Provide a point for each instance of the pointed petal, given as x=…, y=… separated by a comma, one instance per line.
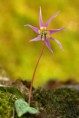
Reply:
x=58, y=42
x=36, y=39
x=32, y=27
x=56, y=30
x=40, y=18
x=46, y=41
x=48, y=22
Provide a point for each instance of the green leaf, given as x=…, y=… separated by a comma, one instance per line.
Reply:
x=12, y=90
x=21, y=107
x=33, y=110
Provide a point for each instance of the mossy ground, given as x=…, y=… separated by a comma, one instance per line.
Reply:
x=6, y=105
x=58, y=103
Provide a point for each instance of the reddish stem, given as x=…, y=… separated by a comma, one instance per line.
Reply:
x=30, y=90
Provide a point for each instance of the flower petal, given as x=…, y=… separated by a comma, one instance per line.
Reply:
x=48, y=22
x=32, y=27
x=56, y=30
x=46, y=41
x=40, y=18
x=60, y=45
x=36, y=39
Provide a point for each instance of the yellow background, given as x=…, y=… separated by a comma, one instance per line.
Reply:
x=18, y=56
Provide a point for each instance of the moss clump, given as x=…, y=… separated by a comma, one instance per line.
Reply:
x=7, y=108
x=6, y=105
x=58, y=103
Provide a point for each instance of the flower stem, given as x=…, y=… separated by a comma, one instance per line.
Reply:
x=30, y=90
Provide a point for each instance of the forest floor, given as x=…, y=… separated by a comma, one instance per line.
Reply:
x=53, y=100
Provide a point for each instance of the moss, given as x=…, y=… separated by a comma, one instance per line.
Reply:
x=58, y=103
x=61, y=103
x=6, y=105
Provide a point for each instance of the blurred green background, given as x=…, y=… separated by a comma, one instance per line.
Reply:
x=18, y=56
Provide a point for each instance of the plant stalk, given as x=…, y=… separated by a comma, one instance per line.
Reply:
x=30, y=90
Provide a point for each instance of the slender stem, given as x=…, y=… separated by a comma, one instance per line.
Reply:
x=30, y=90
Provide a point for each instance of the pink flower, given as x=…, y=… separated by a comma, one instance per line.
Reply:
x=43, y=33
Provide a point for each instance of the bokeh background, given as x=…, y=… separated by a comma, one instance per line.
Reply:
x=18, y=56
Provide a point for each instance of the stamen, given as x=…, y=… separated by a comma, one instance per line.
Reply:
x=43, y=35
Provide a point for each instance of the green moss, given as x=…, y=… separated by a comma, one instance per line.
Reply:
x=61, y=103
x=58, y=103
x=6, y=105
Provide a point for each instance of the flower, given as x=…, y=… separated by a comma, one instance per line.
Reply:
x=43, y=33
